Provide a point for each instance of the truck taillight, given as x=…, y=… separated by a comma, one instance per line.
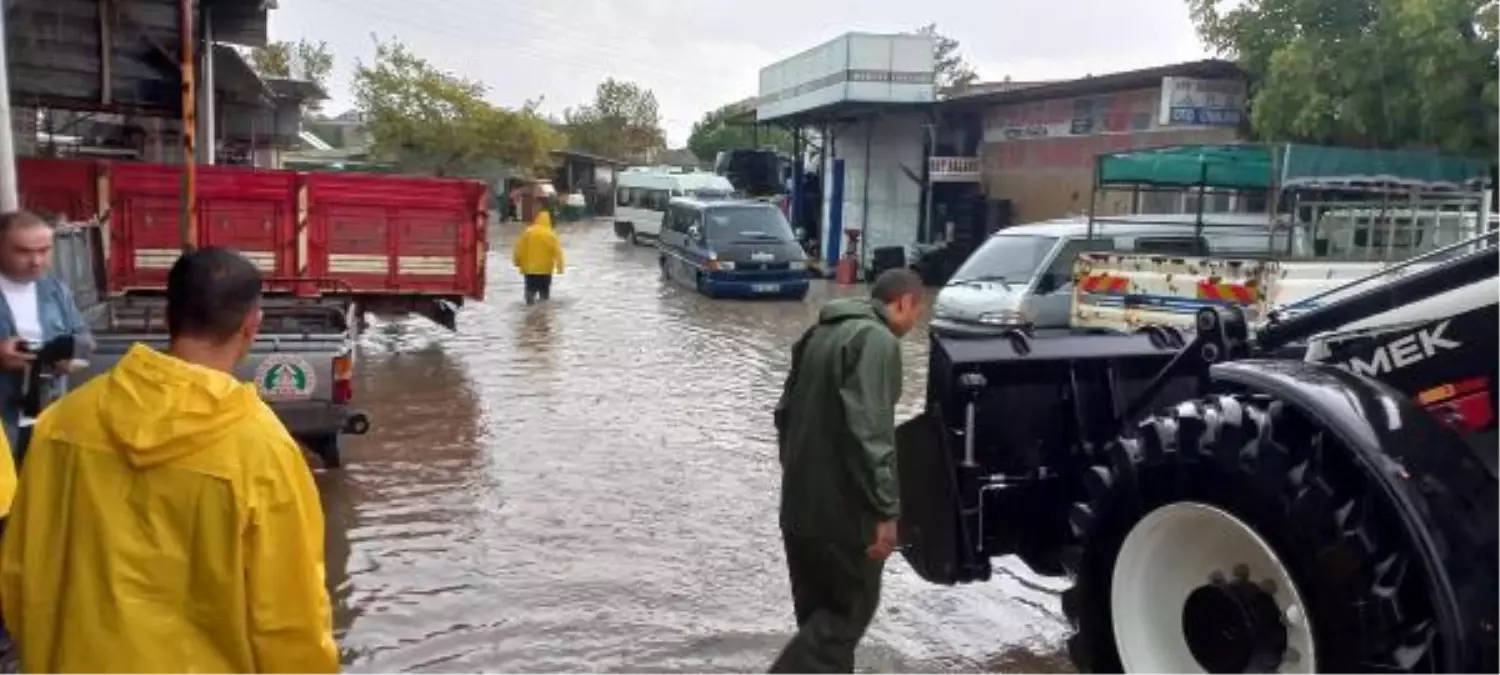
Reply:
x=1466, y=406
x=343, y=378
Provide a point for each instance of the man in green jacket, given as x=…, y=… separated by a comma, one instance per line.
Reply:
x=836, y=427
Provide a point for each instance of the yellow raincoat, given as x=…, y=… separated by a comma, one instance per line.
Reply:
x=7, y=475
x=538, y=250
x=168, y=524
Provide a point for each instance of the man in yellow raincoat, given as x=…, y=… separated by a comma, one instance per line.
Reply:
x=538, y=254
x=169, y=523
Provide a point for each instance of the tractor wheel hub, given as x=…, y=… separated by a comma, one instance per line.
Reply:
x=1234, y=627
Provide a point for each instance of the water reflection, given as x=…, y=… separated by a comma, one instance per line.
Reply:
x=399, y=512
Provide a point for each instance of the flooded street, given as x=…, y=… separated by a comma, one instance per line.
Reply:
x=591, y=485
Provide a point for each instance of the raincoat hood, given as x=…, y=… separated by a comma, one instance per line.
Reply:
x=161, y=408
x=844, y=309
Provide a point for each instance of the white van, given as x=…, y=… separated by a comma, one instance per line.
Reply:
x=1022, y=277
x=642, y=194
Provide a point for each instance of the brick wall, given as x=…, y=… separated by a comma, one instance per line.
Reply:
x=1035, y=156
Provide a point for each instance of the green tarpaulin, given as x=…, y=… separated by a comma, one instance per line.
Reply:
x=1263, y=167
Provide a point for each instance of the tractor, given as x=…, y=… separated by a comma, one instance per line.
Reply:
x=1309, y=491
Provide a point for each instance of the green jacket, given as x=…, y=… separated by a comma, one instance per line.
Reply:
x=836, y=425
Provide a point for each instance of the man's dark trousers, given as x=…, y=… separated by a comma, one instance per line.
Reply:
x=538, y=286
x=835, y=590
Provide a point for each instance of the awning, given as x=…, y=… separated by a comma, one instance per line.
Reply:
x=1263, y=167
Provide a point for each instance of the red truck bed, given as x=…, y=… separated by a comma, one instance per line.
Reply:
x=385, y=237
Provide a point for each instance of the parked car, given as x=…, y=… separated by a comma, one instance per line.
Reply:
x=732, y=248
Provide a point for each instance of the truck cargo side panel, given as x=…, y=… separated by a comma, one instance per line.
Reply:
x=247, y=210
x=407, y=235
x=387, y=237
x=58, y=186
x=351, y=242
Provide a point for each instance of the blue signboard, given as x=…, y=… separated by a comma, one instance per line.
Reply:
x=1206, y=116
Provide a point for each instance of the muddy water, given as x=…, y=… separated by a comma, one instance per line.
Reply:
x=590, y=485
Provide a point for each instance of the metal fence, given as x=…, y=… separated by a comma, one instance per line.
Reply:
x=76, y=262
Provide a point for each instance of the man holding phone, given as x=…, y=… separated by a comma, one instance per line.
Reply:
x=35, y=308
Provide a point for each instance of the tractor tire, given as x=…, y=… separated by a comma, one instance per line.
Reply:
x=1239, y=516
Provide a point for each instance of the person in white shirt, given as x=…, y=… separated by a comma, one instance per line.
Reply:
x=35, y=307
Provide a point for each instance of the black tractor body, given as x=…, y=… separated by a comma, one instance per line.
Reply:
x=1367, y=464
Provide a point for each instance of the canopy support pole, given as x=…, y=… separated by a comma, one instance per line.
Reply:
x=1202, y=202
x=9, y=195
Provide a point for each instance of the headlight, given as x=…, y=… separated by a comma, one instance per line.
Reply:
x=942, y=312
x=726, y=265
x=796, y=265
x=1005, y=317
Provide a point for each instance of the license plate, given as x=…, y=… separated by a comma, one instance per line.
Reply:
x=765, y=288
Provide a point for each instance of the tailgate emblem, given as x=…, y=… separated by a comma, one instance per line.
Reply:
x=282, y=377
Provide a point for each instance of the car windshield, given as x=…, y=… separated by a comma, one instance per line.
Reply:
x=739, y=224
x=1012, y=258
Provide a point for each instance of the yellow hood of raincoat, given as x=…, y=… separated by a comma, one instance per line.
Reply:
x=169, y=524
x=538, y=250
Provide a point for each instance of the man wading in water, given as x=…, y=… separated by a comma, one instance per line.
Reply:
x=836, y=428
x=539, y=253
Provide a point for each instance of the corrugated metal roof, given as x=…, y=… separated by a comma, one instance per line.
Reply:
x=57, y=59
x=1130, y=79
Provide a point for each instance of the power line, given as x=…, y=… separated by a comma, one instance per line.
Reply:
x=561, y=57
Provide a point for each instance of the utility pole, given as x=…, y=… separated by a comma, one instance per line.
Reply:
x=9, y=197
x=189, y=226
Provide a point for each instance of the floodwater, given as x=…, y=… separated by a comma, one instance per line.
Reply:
x=591, y=485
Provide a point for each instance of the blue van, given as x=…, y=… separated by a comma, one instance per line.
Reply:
x=732, y=248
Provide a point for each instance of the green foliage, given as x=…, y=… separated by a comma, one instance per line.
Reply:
x=954, y=74
x=300, y=60
x=712, y=135
x=1368, y=73
x=622, y=122
x=430, y=121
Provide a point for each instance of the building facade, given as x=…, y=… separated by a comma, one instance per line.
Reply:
x=1039, y=142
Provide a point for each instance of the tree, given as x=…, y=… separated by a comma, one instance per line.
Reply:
x=431, y=121
x=301, y=60
x=953, y=73
x=623, y=121
x=713, y=134
x=1368, y=73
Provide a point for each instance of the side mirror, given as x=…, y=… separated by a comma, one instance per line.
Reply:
x=1049, y=283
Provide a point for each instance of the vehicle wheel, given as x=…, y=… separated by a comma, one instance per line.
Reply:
x=1234, y=535
x=329, y=450
x=661, y=263
x=635, y=239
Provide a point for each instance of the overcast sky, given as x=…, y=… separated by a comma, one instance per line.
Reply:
x=700, y=54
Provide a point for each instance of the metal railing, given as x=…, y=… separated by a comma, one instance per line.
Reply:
x=76, y=260
x=953, y=168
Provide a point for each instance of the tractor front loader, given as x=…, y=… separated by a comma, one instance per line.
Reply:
x=1317, y=495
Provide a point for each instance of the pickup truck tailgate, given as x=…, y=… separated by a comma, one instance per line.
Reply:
x=1125, y=292
x=300, y=390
